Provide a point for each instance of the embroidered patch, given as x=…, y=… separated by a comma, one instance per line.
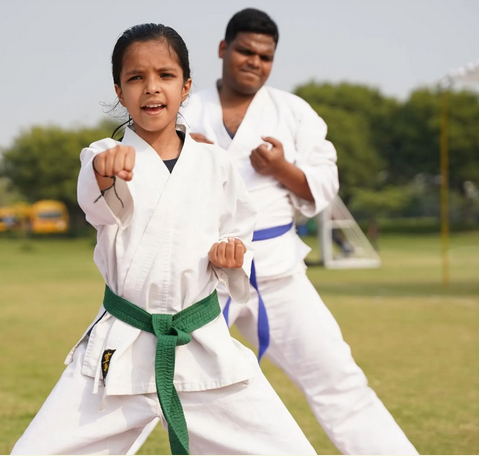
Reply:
x=105, y=362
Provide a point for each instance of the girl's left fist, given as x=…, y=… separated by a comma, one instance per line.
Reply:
x=227, y=254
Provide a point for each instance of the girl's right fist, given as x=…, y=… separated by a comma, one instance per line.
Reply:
x=118, y=161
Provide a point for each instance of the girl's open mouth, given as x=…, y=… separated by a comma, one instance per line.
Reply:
x=153, y=108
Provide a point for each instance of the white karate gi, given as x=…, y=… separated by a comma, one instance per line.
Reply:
x=154, y=235
x=305, y=340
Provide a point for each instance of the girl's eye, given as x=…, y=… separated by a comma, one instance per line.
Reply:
x=134, y=78
x=167, y=75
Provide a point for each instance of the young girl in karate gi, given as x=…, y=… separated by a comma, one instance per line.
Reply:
x=173, y=217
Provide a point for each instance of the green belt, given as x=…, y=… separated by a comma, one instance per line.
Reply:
x=171, y=331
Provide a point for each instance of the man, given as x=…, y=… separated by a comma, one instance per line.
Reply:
x=278, y=144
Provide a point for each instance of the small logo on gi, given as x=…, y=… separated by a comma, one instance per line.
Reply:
x=105, y=362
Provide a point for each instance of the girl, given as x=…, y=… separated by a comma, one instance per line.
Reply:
x=172, y=218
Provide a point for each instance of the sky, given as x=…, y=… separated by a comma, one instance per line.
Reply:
x=55, y=54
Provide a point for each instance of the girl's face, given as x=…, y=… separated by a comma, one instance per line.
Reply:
x=152, y=87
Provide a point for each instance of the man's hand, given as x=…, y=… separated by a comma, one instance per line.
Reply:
x=269, y=161
x=201, y=138
x=227, y=254
x=116, y=162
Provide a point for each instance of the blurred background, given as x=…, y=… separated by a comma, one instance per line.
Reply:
x=377, y=72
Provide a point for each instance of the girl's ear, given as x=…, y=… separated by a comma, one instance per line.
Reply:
x=119, y=94
x=184, y=91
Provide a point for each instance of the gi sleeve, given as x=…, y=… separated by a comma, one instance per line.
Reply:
x=238, y=220
x=316, y=157
x=115, y=206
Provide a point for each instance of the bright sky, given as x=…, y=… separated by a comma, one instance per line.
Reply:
x=55, y=54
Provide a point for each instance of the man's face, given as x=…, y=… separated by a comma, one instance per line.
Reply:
x=247, y=61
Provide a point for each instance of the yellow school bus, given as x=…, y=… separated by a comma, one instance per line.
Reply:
x=7, y=218
x=49, y=216
x=14, y=217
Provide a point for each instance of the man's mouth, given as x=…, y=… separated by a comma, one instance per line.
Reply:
x=246, y=70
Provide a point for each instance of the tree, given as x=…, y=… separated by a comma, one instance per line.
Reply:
x=7, y=194
x=386, y=202
x=382, y=142
x=43, y=162
x=417, y=135
x=376, y=110
x=358, y=162
x=353, y=116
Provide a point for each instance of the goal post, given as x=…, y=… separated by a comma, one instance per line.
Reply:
x=342, y=243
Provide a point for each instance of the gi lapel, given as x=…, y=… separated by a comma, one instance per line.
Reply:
x=260, y=120
x=157, y=220
x=256, y=123
x=150, y=178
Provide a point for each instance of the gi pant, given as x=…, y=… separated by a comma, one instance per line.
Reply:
x=243, y=418
x=306, y=342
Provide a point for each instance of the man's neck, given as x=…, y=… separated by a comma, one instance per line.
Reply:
x=234, y=106
x=231, y=98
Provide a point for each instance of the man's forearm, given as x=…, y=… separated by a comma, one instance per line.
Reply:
x=294, y=180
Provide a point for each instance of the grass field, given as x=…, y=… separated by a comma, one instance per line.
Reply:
x=416, y=340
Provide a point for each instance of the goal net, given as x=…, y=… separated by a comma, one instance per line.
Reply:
x=342, y=243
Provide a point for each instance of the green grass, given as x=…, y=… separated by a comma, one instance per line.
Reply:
x=416, y=340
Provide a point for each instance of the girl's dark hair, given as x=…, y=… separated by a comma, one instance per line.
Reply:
x=253, y=21
x=149, y=32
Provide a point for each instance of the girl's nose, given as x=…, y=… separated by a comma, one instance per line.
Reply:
x=152, y=86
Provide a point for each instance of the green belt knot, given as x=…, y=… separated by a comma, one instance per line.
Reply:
x=163, y=326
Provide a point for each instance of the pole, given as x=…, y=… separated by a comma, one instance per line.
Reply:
x=444, y=188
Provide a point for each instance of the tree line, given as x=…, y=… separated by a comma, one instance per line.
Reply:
x=43, y=163
x=388, y=152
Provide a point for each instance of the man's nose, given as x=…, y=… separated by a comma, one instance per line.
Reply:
x=254, y=61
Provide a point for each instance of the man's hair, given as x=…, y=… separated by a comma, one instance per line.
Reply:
x=253, y=21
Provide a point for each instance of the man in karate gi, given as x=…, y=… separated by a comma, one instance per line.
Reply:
x=277, y=142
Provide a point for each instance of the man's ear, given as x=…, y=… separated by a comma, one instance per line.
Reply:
x=186, y=90
x=119, y=94
x=222, y=48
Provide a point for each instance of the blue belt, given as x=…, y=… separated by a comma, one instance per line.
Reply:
x=263, y=325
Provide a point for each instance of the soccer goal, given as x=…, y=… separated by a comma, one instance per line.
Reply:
x=342, y=243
